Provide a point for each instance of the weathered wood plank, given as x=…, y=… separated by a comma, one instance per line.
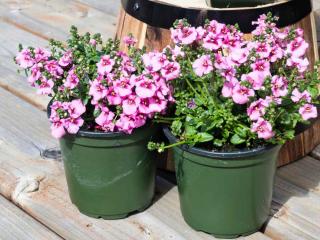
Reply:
x=24, y=125
x=111, y=7
x=304, y=173
x=17, y=225
x=316, y=153
x=58, y=14
x=296, y=207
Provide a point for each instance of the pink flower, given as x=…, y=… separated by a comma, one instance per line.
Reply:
x=157, y=105
x=140, y=120
x=97, y=90
x=187, y=35
x=263, y=49
x=255, y=78
x=105, y=120
x=228, y=88
x=41, y=54
x=76, y=108
x=35, y=74
x=130, y=105
x=113, y=97
x=297, y=47
x=263, y=128
x=53, y=68
x=145, y=89
x=122, y=87
x=144, y=106
x=276, y=54
x=72, y=80
x=297, y=96
x=105, y=65
x=202, y=65
x=261, y=66
x=93, y=42
x=239, y=55
x=176, y=52
x=57, y=129
x=229, y=73
x=66, y=59
x=308, y=111
x=125, y=124
x=171, y=71
x=45, y=87
x=154, y=61
x=73, y=125
x=212, y=42
x=257, y=109
x=300, y=64
x=279, y=86
x=24, y=59
x=241, y=94
x=129, y=40
x=215, y=27
x=220, y=62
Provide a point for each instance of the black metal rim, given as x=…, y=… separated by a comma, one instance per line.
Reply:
x=246, y=152
x=161, y=15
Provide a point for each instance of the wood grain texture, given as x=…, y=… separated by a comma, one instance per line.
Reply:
x=58, y=14
x=17, y=225
x=24, y=125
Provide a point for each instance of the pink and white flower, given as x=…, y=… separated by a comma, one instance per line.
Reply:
x=297, y=96
x=263, y=128
x=203, y=65
x=241, y=94
x=257, y=109
x=24, y=59
x=297, y=47
x=279, y=86
x=171, y=71
x=308, y=111
x=105, y=65
x=72, y=80
x=66, y=59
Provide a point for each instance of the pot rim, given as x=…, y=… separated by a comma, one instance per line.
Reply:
x=246, y=152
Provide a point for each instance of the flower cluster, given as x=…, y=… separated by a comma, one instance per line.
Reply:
x=95, y=86
x=236, y=92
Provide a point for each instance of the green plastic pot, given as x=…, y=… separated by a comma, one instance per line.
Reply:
x=225, y=194
x=237, y=3
x=109, y=175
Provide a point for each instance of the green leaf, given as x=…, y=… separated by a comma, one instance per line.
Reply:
x=204, y=137
x=236, y=139
x=218, y=142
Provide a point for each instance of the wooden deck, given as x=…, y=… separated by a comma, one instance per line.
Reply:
x=34, y=202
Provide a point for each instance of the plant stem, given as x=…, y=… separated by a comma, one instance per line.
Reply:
x=174, y=144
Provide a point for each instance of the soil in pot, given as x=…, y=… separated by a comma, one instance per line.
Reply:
x=109, y=175
x=225, y=194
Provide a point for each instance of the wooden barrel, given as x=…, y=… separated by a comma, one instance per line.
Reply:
x=149, y=21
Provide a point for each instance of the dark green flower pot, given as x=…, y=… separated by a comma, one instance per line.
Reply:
x=109, y=175
x=225, y=194
x=237, y=3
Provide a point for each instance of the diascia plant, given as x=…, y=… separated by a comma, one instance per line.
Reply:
x=235, y=93
x=94, y=86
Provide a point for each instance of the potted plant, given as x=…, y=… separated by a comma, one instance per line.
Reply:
x=237, y=3
x=236, y=103
x=101, y=109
